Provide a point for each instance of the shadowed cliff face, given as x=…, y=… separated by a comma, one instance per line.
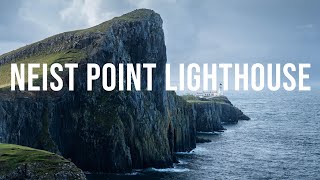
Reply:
x=102, y=131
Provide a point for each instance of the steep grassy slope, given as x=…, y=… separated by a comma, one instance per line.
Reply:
x=67, y=40
x=70, y=56
x=64, y=47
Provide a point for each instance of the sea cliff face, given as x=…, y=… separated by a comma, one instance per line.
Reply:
x=211, y=114
x=182, y=124
x=102, y=131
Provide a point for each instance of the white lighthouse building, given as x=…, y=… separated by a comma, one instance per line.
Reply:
x=210, y=94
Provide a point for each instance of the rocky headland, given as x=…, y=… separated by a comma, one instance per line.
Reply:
x=102, y=131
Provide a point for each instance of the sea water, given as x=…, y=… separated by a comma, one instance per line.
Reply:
x=281, y=141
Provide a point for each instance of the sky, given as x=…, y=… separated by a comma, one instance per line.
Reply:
x=204, y=31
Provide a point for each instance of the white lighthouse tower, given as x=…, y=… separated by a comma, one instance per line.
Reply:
x=220, y=91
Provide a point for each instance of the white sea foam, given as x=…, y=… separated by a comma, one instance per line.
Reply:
x=200, y=150
x=208, y=133
x=173, y=170
x=183, y=153
x=182, y=162
x=197, y=150
x=132, y=174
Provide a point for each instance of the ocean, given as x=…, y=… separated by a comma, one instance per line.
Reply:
x=281, y=141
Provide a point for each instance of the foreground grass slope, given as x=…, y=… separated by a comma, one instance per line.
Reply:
x=19, y=162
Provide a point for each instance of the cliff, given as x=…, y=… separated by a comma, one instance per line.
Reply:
x=18, y=162
x=211, y=114
x=182, y=123
x=100, y=131
x=104, y=131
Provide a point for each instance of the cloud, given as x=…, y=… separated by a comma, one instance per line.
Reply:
x=206, y=31
x=305, y=26
x=85, y=13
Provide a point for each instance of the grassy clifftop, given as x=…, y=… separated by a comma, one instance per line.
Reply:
x=136, y=15
x=22, y=162
x=217, y=99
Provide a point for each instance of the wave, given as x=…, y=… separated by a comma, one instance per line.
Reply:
x=132, y=173
x=209, y=133
x=181, y=162
x=173, y=170
x=197, y=150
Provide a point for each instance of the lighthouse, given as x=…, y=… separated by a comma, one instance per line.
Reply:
x=220, y=91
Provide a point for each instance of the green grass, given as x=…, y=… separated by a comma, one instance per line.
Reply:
x=199, y=101
x=13, y=156
x=190, y=97
x=211, y=101
x=70, y=56
x=129, y=17
x=217, y=99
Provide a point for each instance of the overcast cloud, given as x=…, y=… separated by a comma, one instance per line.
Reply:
x=196, y=31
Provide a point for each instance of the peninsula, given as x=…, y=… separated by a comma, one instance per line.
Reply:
x=106, y=131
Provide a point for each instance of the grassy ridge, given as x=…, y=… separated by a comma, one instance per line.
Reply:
x=69, y=55
x=14, y=156
x=129, y=17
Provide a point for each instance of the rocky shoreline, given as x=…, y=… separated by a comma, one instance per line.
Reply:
x=114, y=131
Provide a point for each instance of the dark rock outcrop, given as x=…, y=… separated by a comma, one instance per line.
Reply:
x=208, y=116
x=202, y=140
x=211, y=114
x=102, y=131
